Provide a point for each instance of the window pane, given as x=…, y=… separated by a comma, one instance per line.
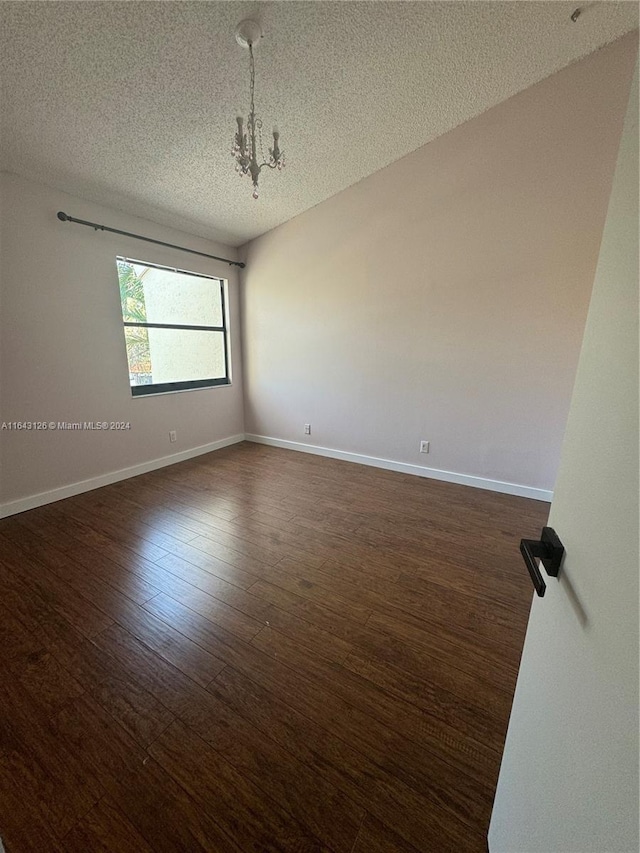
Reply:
x=179, y=299
x=174, y=355
x=160, y=358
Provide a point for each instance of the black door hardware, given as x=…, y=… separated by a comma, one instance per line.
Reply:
x=549, y=550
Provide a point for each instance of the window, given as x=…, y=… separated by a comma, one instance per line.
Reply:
x=175, y=328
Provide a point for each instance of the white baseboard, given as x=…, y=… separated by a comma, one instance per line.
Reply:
x=42, y=498
x=406, y=468
x=59, y=494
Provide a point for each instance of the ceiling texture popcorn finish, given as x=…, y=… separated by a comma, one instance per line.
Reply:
x=129, y=103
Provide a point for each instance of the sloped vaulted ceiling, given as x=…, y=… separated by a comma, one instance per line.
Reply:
x=133, y=104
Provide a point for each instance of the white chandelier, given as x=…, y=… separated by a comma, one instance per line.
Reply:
x=247, y=144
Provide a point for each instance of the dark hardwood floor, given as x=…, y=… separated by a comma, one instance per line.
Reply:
x=259, y=650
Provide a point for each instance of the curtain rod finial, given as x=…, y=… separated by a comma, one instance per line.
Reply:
x=62, y=216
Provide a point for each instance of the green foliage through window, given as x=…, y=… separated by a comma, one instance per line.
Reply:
x=134, y=311
x=131, y=294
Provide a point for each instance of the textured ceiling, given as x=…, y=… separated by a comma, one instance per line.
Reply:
x=133, y=104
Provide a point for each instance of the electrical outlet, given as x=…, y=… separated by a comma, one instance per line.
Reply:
x=173, y=436
x=307, y=429
x=424, y=447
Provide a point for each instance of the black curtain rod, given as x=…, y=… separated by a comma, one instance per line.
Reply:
x=64, y=217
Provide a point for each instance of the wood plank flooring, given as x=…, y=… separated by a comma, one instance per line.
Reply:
x=259, y=650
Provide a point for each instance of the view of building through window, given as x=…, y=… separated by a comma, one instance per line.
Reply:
x=174, y=327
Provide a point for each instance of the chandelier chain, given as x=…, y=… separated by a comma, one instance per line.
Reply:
x=252, y=82
x=256, y=122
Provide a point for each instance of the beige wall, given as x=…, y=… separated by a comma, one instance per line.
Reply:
x=444, y=297
x=62, y=346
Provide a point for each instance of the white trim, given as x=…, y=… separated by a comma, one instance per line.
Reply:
x=406, y=468
x=59, y=494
